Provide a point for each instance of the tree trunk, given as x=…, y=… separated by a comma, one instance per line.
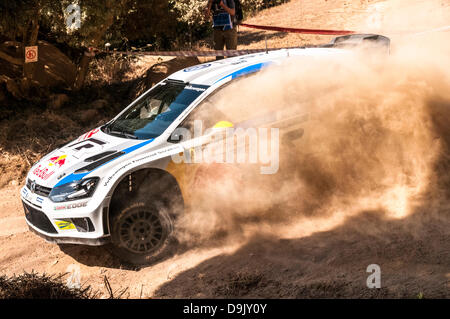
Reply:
x=82, y=71
x=30, y=37
x=87, y=56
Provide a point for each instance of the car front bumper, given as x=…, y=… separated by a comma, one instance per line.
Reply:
x=70, y=240
x=79, y=225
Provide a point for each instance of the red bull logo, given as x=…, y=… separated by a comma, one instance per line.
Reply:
x=53, y=162
x=42, y=172
x=57, y=161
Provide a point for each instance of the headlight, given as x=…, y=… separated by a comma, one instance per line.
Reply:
x=76, y=190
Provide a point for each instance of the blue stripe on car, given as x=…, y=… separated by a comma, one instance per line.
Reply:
x=75, y=177
x=244, y=71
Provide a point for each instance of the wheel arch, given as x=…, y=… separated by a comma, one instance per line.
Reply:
x=135, y=184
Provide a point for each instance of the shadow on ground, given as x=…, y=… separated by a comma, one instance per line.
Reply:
x=102, y=256
x=413, y=254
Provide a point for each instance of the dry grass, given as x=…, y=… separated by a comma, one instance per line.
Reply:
x=35, y=286
x=44, y=286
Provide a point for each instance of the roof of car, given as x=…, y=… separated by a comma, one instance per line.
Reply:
x=211, y=73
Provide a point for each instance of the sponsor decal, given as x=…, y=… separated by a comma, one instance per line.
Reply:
x=88, y=134
x=42, y=172
x=26, y=194
x=39, y=200
x=70, y=206
x=196, y=88
x=64, y=224
x=114, y=174
x=153, y=156
x=197, y=67
x=86, y=144
x=239, y=62
x=57, y=161
x=45, y=172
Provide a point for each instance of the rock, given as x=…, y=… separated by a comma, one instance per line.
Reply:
x=99, y=104
x=14, y=89
x=53, y=67
x=57, y=100
x=88, y=115
x=159, y=71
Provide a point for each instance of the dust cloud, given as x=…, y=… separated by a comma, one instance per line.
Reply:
x=370, y=142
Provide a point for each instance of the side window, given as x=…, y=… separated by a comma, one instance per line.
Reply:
x=205, y=114
x=214, y=109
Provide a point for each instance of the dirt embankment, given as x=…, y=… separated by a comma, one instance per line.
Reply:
x=379, y=196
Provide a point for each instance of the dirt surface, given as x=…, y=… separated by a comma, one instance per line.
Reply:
x=328, y=264
x=330, y=14
x=317, y=257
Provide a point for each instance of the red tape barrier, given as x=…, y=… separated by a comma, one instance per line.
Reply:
x=195, y=53
x=295, y=30
x=237, y=52
x=93, y=51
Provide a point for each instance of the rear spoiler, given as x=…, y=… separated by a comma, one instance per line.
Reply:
x=355, y=40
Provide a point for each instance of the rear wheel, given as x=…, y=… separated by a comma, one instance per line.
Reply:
x=141, y=233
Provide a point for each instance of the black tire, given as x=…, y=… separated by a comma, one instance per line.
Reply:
x=141, y=233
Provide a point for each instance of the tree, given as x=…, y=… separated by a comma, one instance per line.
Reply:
x=161, y=23
x=98, y=17
x=24, y=26
x=20, y=20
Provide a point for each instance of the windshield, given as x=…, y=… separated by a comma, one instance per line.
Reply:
x=151, y=116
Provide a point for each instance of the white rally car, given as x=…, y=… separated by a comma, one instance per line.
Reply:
x=118, y=183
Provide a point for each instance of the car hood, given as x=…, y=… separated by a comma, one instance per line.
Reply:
x=80, y=157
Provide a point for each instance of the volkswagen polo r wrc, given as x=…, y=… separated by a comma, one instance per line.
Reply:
x=90, y=191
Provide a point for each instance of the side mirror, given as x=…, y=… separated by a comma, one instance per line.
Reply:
x=175, y=138
x=290, y=136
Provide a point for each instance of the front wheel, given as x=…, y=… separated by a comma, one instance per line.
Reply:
x=140, y=233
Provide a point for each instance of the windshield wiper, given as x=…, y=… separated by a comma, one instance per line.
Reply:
x=123, y=133
x=107, y=127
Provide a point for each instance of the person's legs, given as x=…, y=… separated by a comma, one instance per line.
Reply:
x=219, y=41
x=231, y=39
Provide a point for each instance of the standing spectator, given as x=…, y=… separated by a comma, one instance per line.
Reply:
x=223, y=12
